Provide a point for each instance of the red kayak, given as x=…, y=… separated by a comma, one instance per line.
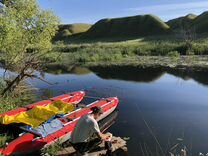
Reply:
x=73, y=97
x=30, y=142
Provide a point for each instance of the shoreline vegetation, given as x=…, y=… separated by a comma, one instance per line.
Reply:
x=154, y=52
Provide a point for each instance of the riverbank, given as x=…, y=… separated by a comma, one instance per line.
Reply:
x=197, y=63
x=164, y=51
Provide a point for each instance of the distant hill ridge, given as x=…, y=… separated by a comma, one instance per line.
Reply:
x=134, y=26
x=68, y=30
x=184, y=21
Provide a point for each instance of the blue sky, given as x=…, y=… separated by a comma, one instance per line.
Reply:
x=90, y=11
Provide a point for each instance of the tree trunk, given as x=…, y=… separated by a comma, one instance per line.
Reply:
x=12, y=85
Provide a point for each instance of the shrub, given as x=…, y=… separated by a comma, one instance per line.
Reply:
x=200, y=49
x=173, y=54
x=184, y=48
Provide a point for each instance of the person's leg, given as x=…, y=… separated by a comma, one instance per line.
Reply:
x=109, y=148
x=80, y=147
x=88, y=146
x=93, y=144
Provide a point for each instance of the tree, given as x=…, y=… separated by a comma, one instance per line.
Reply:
x=26, y=32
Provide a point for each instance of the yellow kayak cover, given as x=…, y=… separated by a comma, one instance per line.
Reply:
x=39, y=114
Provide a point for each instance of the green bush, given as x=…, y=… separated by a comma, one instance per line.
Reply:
x=184, y=48
x=162, y=49
x=200, y=49
x=173, y=54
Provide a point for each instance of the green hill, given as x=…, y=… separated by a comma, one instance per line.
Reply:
x=135, y=26
x=67, y=30
x=132, y=27
x=200, y=24
x=178, y=23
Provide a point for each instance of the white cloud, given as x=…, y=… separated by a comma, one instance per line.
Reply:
x=167, y=11
x=171, y=7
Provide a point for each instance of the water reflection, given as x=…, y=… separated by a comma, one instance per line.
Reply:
x=107, y=122
x=201, y=76
x=128, y=73
x=63, y=69
x=133, y=73
x=148, y=74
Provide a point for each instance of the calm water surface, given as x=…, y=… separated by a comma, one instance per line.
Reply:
x=174, y=104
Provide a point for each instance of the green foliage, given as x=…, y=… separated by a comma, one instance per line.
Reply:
x=162, y=48
x=16, y=99
x=25, y=29
x=52, y=149
x=13, y=101
x=119, y=51
x=4, y=138
x=26, y=32
x=174, y=54
x=200, y=49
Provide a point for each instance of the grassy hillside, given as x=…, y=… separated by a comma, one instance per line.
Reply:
x=132, y=27
x=68, y=30
x=181, y=22
x=200, y=24
x=135, y=26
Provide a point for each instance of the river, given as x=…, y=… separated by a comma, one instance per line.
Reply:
x=174, y=104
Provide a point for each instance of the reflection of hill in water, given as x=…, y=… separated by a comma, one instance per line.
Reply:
x=133, y=73
x=128, y=73
x=148, y=74
x=201, y=76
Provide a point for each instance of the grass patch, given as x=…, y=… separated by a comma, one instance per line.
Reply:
x=16, y=99
x=4, y=138
x=52, y=149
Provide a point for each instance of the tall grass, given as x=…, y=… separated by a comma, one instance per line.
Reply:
x=121, y=51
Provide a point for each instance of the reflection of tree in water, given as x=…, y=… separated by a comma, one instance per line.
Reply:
x=128, y=73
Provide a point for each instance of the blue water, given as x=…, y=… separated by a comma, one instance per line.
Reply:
x=172, y=106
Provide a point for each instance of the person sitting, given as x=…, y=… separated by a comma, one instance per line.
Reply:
x=83, y=137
